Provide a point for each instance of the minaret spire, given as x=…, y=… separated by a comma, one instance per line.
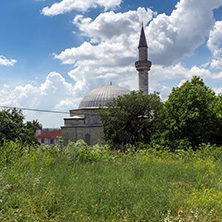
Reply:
x=143, y=64
x=142, y=42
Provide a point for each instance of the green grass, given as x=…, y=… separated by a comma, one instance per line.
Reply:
x=80, y=183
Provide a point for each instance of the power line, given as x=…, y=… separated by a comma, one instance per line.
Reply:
x=34, y=110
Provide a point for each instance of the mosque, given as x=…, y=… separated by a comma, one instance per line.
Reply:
x=84, y=122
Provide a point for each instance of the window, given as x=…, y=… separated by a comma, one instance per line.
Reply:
x=42, y=140
x=51, y=141
x=87, y=139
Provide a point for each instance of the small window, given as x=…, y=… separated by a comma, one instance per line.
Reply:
x=87, y=139
x=51, y=141
x=42, y=140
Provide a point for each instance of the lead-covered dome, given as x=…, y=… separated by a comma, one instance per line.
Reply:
x=102, y=96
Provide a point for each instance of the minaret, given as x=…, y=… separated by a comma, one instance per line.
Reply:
x=143, y=64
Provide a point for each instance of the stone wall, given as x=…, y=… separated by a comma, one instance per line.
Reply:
x=90, y=134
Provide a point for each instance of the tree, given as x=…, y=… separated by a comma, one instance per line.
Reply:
x=12, y=127
x=191, y=114
x=131, y=118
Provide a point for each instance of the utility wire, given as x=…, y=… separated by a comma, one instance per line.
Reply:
x=35, y=110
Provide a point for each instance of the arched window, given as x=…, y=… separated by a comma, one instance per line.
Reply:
x=87, y=139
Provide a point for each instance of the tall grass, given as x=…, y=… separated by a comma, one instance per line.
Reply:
x=82, y=183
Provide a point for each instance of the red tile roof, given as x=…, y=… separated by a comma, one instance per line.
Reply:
x=50, y=134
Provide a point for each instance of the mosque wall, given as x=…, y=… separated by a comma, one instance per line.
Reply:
x=90, y=134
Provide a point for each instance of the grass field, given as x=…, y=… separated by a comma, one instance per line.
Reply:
x=82, y=183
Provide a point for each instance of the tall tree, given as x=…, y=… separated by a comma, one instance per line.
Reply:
x=131, y=118
x=191, y=114
x=12, y=126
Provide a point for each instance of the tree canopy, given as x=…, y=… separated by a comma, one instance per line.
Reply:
x=12, y=127
x=131, y=118
x=192, y=114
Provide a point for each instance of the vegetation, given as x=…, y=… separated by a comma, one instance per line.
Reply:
x=82, y=183
x=12, y=127
x=191, y=113
x=132, y=118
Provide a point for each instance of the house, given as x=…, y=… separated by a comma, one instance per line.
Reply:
x=48, y=137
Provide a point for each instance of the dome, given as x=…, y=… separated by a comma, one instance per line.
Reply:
x=102, y=96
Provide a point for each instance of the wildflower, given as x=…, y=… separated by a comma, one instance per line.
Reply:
x=1, y=200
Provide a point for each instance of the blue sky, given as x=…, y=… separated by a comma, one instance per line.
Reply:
x=52, y=53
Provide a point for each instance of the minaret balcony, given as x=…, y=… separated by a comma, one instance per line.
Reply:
x=143, y=65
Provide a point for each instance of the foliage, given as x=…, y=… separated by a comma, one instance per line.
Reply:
x=131, y=118
x=12, y=127
x=192, y=115
x=80, y=151
x=82, y=183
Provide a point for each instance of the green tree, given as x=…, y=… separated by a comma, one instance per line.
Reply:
x=131, y=118
x=191, y=114
x=12, y=127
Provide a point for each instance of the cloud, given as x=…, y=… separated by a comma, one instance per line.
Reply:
x=115, y=35
x=110, y=55
x=175, y=36
x=218, y=90
x=145, y=15
x=6, y=62
x=215, y=39
x=110, y=26
x=79, y=5
x=104, y=54
x=214, y=44
x=55, y=93
x=111, y=51
x=46, y=96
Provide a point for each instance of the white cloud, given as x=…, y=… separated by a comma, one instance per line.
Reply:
x=6, y=62
x=145, y=15
x=182, y=82
x=177, y=35
x=110, y=26
x=218, y=90
x=113, y=57
x=113, y=39
x=105, y=54
x=216, y=64
x=215, y=45
x=215, y=39
x=79, y=5
x=170, y=38
x=53, y=94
